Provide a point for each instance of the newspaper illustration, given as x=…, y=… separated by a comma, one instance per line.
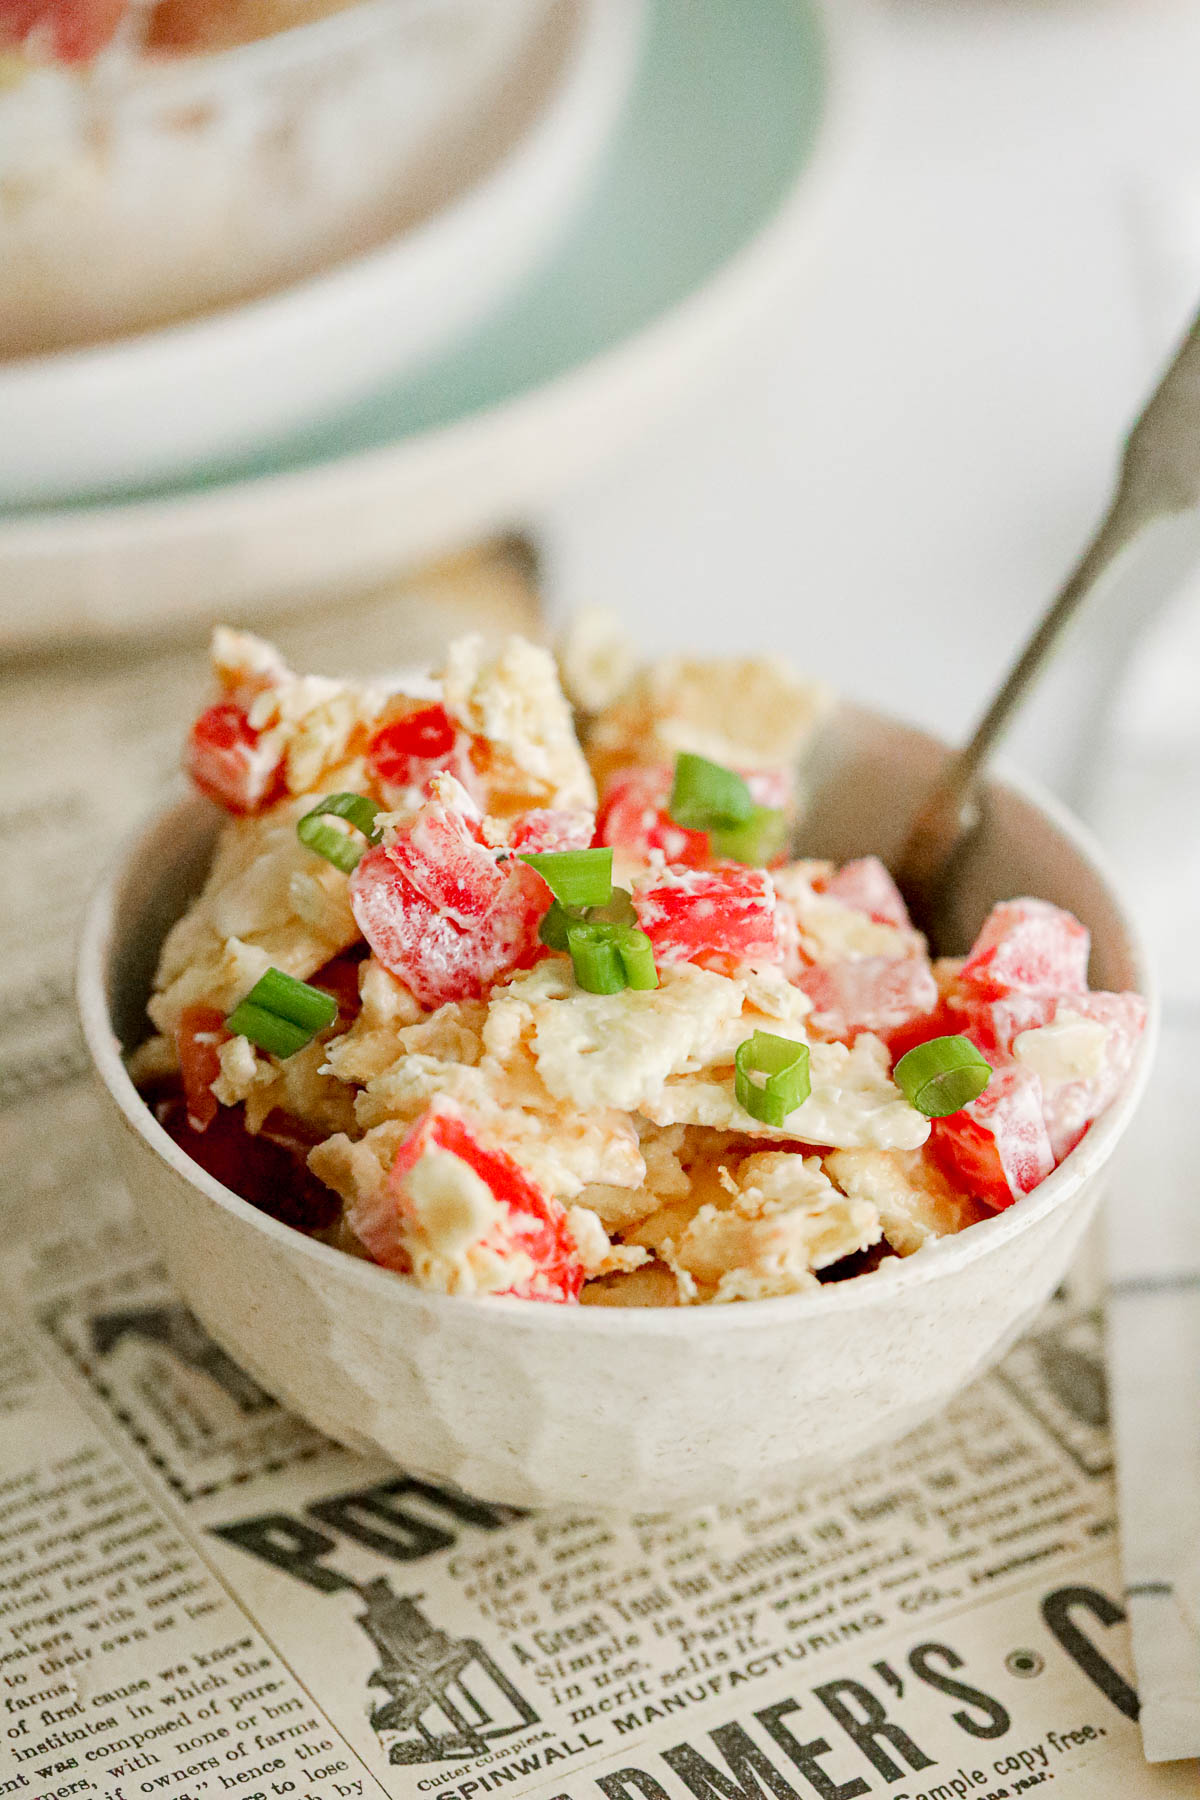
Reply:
x=423, y=1671
x=201, y=1596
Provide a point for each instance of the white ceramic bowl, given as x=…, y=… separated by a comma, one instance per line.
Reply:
x=473, y=216
x=539, y=1405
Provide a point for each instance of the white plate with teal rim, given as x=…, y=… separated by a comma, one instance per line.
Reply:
x=482, y=208
x=711, y=195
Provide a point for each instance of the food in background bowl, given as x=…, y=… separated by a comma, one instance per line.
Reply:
x=517, y=1013
x=41, y=32
x=160, y=159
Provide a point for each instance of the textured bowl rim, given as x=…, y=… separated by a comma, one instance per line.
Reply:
x=932, y=1262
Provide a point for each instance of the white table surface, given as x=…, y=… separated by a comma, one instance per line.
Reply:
x=889, y=485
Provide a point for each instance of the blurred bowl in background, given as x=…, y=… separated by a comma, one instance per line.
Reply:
x=695, y=234
x=305, y=157
x=144, y=187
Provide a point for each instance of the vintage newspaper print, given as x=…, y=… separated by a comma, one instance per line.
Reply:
x=203, y=1597
x=125, y=1667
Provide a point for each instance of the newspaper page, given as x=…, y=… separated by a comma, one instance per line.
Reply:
x=201, y=1597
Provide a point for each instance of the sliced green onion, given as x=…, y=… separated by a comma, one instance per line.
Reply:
x=705, y=796
x=281, y=1014
x=608, y=958
x=637, y=956
x=339, y=847
x=941, y=1076
x=553, y=929
x=619, y=910
x=787, y=1084
x=266, y=1029
x=759, y=840
x=595, y=957
x=575, y=877
x=290, y=998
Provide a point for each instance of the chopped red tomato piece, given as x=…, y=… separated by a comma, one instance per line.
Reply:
x=941, y=1022
x=882, y=994
x=997, y=1147
x=1027, y=946
x=1123, y=1017
x=441, y=912
x=532, y=1227
x=716, y=916
x=634, y=816
x=68, y=31
x=419, y=944
x=1070, y=1106
x=771, y=787
x=198, y=1037
x=547, y=828
x=866, y=886
x=444, y=856
x=405, y=753
x=994, y=1024
x=433, y=957
x=225, y=761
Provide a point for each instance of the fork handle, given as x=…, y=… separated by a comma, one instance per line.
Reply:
x=1160, y=474
x=950, y=810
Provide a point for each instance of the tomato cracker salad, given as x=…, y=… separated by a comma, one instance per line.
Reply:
x=517, y=994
